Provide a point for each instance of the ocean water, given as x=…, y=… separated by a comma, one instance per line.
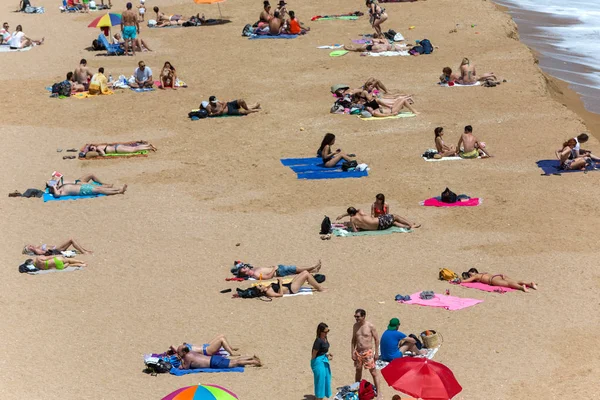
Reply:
x=566, y=34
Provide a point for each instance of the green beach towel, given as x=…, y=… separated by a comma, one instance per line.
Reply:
x=125, y=154
x=345, y=17
x=394, y=229
x=401, y=115
x=338, y=53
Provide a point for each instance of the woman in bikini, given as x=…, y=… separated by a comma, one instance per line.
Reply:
x=443, y=150
x=329, y=156
x=265, y=15
x=496, y=280
x=168, y=76
x=56, y=262
x=377, y=16
x=380, y=207
x=48, y=249
x=568, y=157
x=381, y=108
x=279, y=289
x=103, y=150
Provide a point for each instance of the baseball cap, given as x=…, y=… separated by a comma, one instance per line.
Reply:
x=204, y=104
x=394, y=324
x=212, y=99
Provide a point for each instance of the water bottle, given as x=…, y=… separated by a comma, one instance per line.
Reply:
x=110, y=78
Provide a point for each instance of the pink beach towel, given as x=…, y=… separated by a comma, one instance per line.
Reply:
x=451, y=303
x=487, y=288
x=435, y=202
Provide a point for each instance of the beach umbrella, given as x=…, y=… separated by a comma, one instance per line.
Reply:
x=422, y=378
x=211, y=2
x=201, y=392
x=107, y=20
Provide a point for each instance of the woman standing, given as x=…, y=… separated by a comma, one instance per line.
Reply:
x=319, y=363
x=377, y=16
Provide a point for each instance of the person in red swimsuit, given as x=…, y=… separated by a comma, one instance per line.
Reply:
x=380, y=207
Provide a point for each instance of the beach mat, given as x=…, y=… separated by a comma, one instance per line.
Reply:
x=7, y=49
x=345, y=233
x=49, y=197
x=336, y=174
x=211, y=22
x=454, y=158
x=436, y=202
x=50, y=271
x=256, y=37
x=401, y=115
x=550, y=167
x=141, y=90
x=304, y=291
x=487, y=288
x=459, y=85
x=218, y=116
x=332, y=47
x=451, y=303
x=181, y=372
x=316, y=168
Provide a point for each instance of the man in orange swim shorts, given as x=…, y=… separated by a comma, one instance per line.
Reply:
x=365, y=347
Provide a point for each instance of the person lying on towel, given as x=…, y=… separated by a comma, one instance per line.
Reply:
x=117, y=148
x=83, y=189
x=54, y=262
x=214, y=347
x=471, y=146
x=377, y=46
x=361, y=221
x=279, y=288
x=242, y=270
x=216, y=108
x=496, y=280
x=49, y=249
x=193, y=360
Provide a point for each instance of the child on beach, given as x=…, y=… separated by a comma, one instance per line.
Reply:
x=142, y=9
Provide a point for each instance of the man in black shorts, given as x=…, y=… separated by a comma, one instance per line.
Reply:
x=235, y=107
x=361, y=221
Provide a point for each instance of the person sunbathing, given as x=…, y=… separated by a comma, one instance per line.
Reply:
x=376, y=46
x=139, y=44
x=279, y=288
x=496, y=280
x=276, y=24
x=242, y=270
x=379, y=207
x=55, y=262
x=329, y=156
x=193, y=360
x=443, y=149
x=49, y=249
x=234, y=107
x=468, y=74
x=578, y=151
x=163, y=20
x=470, y=145
x=448, y=76
x=168, y=76
x=84, y=179
x=117, y=148
x=361, y=221
x=208, y=349
x=83, y=189
x=570, y=159
x=382, y=108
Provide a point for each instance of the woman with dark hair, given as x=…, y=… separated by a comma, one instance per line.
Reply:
x=117, y=148
x=265, y=15
x=319, y=363
x=496, y=280
x=380, y=207
x=330, y=157
x=168, y=76
x=279, y=288
x=443, y=150
x=377, y=16
x=569, y=157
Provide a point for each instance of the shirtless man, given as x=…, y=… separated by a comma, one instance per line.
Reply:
x=83, y=189
x=194, y=360
x=83, y=74
x=468, y=74
x=234, y=107
x=281, y=8
x=360, y=221
x=378, y=46
x=275, y=24
x=55, y=262
x=130, y=27
x=471, y=147
x=241, y=270
x=365, y=348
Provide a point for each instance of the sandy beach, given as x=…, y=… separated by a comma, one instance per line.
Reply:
x=216, y=192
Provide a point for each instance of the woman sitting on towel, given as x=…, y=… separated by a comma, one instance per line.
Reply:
x=329, y=156
x=380, y=207
x=443, y=150
x=569, y=157
x=117, y=148
x=279, y=289
x=496, y=280
x=48, y=249
x=168, y=76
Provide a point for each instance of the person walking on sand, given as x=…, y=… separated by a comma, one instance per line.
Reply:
x=365, y=349
x=377, y=16
x=130, y=27
x=471, y=146
x=319, y=363
x=496, y=280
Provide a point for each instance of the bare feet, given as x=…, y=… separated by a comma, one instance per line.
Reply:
x=533, y=286
x=318, y=267
x=524, y=288
x=259, y=363
x=122, y=191
x=153, y=148
x=323, y=289
x=414, y=226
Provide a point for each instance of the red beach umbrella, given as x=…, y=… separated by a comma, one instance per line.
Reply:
x=422, y=378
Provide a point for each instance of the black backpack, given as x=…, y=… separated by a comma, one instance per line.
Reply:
x=202, y=113
x=62, y=88
x=320, y=278
x=448, y=196
x=325, y=226
x=158, y=367
x=247, y=31
x=429, y=154
x=346, y=165
x=250, y=293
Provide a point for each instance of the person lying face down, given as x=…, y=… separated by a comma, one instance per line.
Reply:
x=242, y=270
x=361, y=221
x=49, y=249
x=377, y=46
x=496, y=280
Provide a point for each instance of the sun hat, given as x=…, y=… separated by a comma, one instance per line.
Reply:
x=394, y=324
x=338, y=86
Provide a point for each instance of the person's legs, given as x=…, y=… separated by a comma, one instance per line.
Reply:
x=303, y=278
x=71, y=262
x=109, y=191
x=509, y=283
x=243, y=361
x=143, y=43
x=400, y=104
x=218, y=342
x=377, y=380
x=404, y=223
x=313, y=269
x=93, y=178
x=339, y=156
x=64, y=246
x=358, y=374
x=410, y=345
x=578, y=163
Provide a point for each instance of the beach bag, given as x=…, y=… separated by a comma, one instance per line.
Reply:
x=158, y=366
x=347, y=165
x=448, y=196
x=431, y=339
x=427, y=46
x=250, y=293
x=325, y=226
x=390, y=35
x=202, y=113
x=320, y=278
x=247, y=31
x=447, y=274
x=62, y=88
x=429, y=154
x=366, y=390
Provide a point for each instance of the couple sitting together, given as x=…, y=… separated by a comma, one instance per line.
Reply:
x=468, y=145
x=468, y=75
x=216, y=108
x=573, y=157
x=274, y=22
x=87, y=185
x=372, y=99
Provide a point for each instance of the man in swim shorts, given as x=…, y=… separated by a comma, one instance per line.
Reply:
x=193, y=360
x=234, y=107
x=130, y=27
x=360, y=221
x=84, y=189
x=55, y=262
x=364, y=348
x=471, y=147
x=245, y=270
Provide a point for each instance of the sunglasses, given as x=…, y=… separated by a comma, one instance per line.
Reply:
x=357, y=316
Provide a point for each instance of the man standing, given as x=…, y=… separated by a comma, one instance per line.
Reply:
x=394, y=343
x=83, y=73
x=364, y=336
x=143, y=76
x=130, y=27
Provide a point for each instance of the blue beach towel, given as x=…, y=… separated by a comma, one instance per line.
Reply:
x=255, y=37
x=315, y=168
x=336, y=174
x=50, y=197
x=550, y=167
x=181, y=372
x=301, y=161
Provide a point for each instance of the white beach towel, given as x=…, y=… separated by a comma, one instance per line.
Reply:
x=304, y=291
x=49, y=271
x=386, y=54
x=5, y=49
x=335, y=46
x=455, y=158
x=460, y=85
x=380, y=364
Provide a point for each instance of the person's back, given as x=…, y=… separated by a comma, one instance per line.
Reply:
x=275, y=25
x=467, y=72
x=363, y=221
x=294, y=28
x=194, y=360
x=468, y=142
x=389, y=344
x=82, y=73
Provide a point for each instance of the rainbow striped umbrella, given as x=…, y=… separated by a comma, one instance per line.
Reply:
x=106, y=20
x=202, y=392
